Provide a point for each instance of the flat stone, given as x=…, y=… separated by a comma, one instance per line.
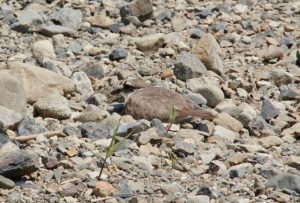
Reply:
x=53, y=106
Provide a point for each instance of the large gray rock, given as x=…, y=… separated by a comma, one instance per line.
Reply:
x=39, y=82
x=8, y=118
x=53, y=106
x=188, y=66
x=12, y=93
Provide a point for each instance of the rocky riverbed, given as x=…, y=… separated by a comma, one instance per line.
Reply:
x=222, y=123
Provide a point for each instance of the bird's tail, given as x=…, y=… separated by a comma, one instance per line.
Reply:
x=202, y=113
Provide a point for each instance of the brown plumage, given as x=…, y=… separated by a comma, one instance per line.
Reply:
x=157, y=102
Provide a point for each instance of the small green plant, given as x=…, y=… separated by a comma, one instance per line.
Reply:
x=172, y=118
x=171, y=155
x=113, y=146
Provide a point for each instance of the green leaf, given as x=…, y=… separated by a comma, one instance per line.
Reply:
x=115, y=146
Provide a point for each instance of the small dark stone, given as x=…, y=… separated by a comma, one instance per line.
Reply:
x=94, y=130
x=118, y=54
x=268, y=110
x=202, y=127
x=116, y=107
x=29, y=127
